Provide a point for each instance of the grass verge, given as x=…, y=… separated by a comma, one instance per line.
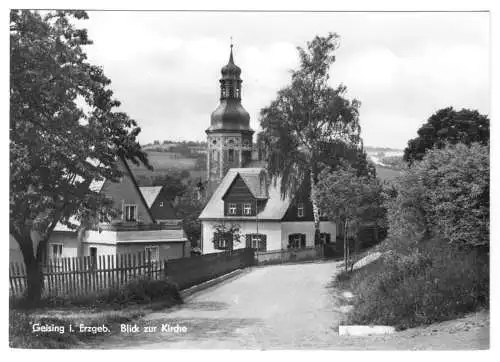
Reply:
x=418, y=286
x=62, y=317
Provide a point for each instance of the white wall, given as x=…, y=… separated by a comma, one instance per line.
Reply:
x=103, y=237
x=69, y=242
x=305, y=227
x=102, y=249
x=270, y=228
x=14, y=251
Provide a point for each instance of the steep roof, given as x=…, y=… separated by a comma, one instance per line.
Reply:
x=274, y=209
x=256, y=183
x=150, y=193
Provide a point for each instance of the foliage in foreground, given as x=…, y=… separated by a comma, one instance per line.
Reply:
x=139, y=291
x=445, y=195
x=432, y=284
x=65, y=132
x=437, y=261
x=106, y=308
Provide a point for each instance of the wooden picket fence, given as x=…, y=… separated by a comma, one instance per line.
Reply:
x=85, y=275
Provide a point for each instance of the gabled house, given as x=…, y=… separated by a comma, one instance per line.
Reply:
x=248, y=200
x=134, y=230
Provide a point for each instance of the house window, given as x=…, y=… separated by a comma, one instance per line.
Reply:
x=222, y=241
x=161, y=204
x=130, y=212
x=325, y=238
x=152, y=252
x=256, y=241
x=231, y=155
x=232, y=209
x=56, y=250
x=296, y=241
x=300, y=210
x=247, y=209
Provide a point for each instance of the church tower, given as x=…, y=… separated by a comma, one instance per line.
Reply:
x=229, y=136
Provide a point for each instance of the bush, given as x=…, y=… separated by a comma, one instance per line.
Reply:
x=138, y=291
x=445, y=195
x=142, y=291
x=432, y=283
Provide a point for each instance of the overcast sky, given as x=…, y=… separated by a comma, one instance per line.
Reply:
x=165, y=66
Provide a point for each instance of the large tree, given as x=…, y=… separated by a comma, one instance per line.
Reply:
x=65, y=132
x=307, y=117
x=448, y=126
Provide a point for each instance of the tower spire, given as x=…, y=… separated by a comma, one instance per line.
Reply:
x=231, y=61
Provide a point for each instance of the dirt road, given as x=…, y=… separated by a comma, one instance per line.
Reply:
x=280, y=307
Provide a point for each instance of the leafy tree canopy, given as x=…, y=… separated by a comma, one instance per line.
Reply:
x=448, y=126
x=447, y=195
x=65, y=130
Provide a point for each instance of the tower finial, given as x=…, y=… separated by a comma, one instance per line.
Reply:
x=231, y=54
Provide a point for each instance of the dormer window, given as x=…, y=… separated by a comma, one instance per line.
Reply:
x=300, y=210
x=247, y=209
x=130, y=212
x=232, y=209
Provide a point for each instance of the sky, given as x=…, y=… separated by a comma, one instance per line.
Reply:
x=165, y=66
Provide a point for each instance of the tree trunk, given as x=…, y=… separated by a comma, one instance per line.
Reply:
x=317, y=230
x=345, y=244
x=355, y=253
x=34, y=275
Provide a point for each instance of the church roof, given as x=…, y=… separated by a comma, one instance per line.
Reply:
x=230, y=115
x=231, y=70
x=274, y=209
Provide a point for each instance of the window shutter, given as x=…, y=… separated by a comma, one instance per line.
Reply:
x=328, y=238
x=290, y=240
x=263, y=243
x=302, y=240
x=248, y=240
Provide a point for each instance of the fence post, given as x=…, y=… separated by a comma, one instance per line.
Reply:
x=149, y=264
x=165, y=273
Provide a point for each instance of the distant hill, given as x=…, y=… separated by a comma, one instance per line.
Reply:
x=170, y=157
x=382, y=149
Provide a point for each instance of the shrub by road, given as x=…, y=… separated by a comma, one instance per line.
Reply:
x=110, y=308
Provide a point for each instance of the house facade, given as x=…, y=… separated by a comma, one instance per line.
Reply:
x=245, y=201
x=134, y=230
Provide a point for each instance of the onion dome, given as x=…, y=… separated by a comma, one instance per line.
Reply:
x=231, y=70
x=230, y=114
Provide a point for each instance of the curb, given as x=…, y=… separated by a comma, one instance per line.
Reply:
x=365, y=330
x=209, y=283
